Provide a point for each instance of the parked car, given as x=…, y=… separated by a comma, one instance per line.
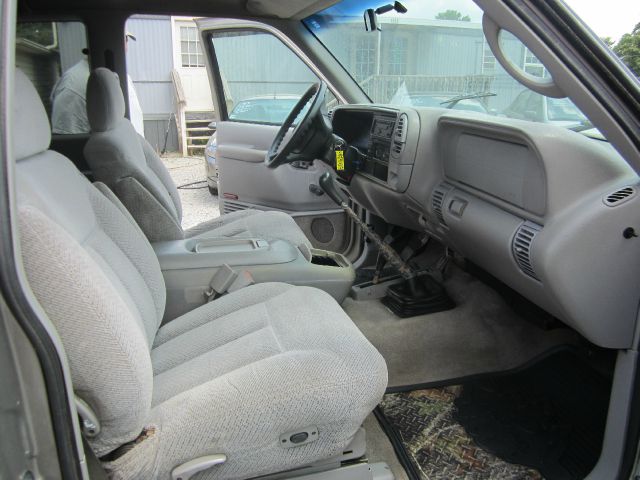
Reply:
x=532, y=106
x=269, y=110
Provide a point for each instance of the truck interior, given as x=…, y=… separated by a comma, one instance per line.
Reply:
x=405, y=282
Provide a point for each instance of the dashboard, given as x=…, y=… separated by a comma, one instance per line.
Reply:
x=542, y=208
x=378, y=142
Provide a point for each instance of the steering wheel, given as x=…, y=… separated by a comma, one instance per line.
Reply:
x=312, y=136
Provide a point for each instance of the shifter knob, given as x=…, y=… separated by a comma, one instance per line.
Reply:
x=328, y=185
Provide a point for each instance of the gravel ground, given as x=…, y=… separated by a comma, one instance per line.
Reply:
x=198, y=204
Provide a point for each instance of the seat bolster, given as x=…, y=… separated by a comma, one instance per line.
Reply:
x=156, y=166
x=111, y=368
x=154, y=220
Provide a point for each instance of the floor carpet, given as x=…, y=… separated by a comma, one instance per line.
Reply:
x=482, y=334
x=543, y=421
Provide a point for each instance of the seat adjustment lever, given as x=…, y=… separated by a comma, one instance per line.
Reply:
x=189, y=469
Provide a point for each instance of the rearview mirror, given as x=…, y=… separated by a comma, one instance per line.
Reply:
x=371, y=20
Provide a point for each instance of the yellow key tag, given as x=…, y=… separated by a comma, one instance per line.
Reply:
x=339, y=159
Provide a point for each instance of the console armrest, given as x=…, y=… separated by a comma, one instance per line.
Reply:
x=215, y=252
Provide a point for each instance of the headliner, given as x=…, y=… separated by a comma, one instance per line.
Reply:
x=294, y=9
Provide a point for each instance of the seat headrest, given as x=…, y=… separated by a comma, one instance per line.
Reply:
x=31, y=131
x=105, y=101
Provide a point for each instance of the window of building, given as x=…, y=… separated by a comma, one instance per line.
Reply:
x=54, y=57
x=397, y=64
x=488, y=59
x=532, y=65
x=190, y=47
x=365, y=56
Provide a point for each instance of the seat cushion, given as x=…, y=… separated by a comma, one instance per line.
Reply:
x=263, y=365
x=269, y=225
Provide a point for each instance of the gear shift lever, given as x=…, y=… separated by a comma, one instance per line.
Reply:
x=328, y=185
x=414, y=296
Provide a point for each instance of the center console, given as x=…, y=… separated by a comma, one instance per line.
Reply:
x=189, y=266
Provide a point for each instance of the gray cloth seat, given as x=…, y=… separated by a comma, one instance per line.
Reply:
x=229, y=377
x=130, y=167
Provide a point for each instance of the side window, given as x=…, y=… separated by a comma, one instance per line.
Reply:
x=262, y=78
x=54, y=57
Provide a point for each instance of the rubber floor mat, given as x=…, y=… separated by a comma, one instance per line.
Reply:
x=546, y=421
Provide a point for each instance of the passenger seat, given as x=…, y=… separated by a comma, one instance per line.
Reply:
x=237, y=378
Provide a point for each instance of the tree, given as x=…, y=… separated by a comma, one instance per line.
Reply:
x=608, y=41
x=628, y=49
x=453, y=15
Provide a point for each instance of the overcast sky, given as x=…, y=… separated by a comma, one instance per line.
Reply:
x=607, y=18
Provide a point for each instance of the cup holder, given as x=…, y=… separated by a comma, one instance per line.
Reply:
x=325, y=258
x=324, y=261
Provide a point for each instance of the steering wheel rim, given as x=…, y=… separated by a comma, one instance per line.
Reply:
x=279, y=154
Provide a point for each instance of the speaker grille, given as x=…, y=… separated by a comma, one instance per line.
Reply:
x=322, y=229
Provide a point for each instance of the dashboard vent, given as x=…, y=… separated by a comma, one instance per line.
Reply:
x=619, y=196
x=522, y=244
x=437, y=200
x=330, y=114
x=399, y=134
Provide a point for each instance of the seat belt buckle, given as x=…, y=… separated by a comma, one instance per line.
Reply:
x=220, y=282
x=243, y=279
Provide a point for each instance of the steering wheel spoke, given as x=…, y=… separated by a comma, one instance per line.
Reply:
x=312, y=135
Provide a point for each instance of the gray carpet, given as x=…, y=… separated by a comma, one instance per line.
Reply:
x=379, y=448
x=482, y=334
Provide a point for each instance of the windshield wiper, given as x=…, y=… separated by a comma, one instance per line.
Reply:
x=454, y=100
x=585, y=125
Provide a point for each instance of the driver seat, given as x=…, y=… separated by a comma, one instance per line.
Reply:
x=130, y=167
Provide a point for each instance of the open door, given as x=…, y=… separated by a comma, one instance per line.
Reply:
x=256, y=79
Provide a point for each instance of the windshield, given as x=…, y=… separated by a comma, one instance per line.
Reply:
x=563, y=109
x=436, y=56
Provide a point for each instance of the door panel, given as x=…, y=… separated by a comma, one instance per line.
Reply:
x=245, y=178
x=256, y=79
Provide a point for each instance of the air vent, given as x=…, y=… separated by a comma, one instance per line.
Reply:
x=437, y=200
x=230, y=206
x=619, y=196
x=330, y=114
x=522, y=244
x=399, y=134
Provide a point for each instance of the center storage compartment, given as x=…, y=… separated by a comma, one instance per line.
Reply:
x=324, y=261
x=189, y=265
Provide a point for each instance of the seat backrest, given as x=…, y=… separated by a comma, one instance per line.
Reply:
x=126, y=163
x=93, y=272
